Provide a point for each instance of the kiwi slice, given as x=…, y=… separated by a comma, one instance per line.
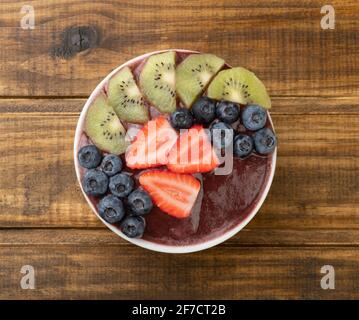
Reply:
x=104, y=128
x=193, y=75
x=125, y=97
x=239, y=85
x=157, y=81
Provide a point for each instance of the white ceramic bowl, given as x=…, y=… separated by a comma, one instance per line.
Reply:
x=144, y=243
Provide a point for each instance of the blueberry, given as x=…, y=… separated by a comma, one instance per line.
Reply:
x=89, y=156
x=111, y=164
x=139, y=202
x=222, y=135
x=227, y=111
x=181, y=119
x=204, y=110
x=133, y=227
x=111, y=209
x=95, y=182
x=265, y=141
x=121, y=185
x=254, y=117
x=242, y=145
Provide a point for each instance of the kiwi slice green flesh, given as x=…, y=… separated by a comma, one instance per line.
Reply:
x=239, y=85
x=125, y=97
x=157, y=81
x=193, y=75
x=104, y=128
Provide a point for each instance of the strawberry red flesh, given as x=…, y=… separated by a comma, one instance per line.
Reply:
x=173, y=193
x=151, y=145
x=193, y=153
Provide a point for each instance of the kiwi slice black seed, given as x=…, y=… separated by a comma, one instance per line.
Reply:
x=239, y=85
x=104, y=128
x=157, y=81
x=125, y=97
x=193, y=75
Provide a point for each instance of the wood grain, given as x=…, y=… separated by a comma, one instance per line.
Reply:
x=116, y=272
x=281, y=41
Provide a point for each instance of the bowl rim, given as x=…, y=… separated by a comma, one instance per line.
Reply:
x=145, y=243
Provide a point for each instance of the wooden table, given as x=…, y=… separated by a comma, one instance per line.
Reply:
x=311, y=216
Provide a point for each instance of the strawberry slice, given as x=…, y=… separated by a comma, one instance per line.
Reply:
x=173, y=193
x=192, y=153
x=151, y=145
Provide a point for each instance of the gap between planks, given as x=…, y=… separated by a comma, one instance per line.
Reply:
x=274, y=238
x=282, y=105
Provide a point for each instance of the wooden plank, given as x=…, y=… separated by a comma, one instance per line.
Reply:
x=248, y=237
x=41, y=185
x=281, y=41
x=315, y=186
x=281, y=105
x=42, y=105
x=110, y=272
x=315, y=105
